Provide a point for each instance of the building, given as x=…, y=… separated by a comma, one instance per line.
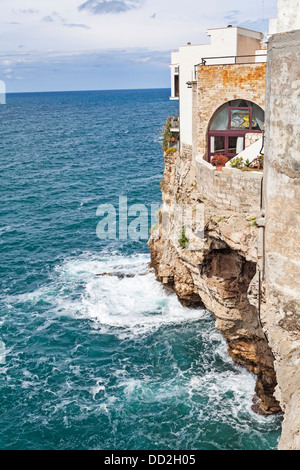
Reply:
x=233, y=46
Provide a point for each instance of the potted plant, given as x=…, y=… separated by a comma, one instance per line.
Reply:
x=219, y=161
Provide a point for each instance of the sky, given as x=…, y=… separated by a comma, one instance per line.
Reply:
x=58, y=45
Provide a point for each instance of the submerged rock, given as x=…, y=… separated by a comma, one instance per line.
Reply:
x=120, y=275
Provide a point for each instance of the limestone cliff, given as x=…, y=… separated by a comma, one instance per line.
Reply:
x=220, y=274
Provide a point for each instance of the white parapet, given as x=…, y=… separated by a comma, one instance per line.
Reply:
x=288, y=15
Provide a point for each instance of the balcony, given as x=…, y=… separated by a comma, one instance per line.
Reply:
x=174, y=124
x=171, y=133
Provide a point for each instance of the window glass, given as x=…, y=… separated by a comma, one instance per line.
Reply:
x=217, y=144
x=235, y=144
x=220, y=120
x=258, y=118
x=240, y=119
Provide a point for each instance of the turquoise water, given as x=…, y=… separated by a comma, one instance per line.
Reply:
x=107, y=362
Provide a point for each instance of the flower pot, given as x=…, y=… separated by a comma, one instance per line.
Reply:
x=219, y=167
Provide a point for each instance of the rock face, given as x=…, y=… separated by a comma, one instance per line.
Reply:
x=217, y=271
x=282, y=206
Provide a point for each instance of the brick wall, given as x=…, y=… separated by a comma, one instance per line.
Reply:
x=218, y=84
x=232, y=188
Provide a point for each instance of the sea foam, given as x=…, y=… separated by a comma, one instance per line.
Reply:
x=116, y=292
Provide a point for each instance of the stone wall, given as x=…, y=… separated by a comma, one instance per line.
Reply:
x=231, y=188
x=282, y=232
x=218, y=84
x=251, y=138
x=186, y=151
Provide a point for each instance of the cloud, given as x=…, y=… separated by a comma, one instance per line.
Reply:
x=48, y=19
x=92, y=58
x=29, y=11
x=76, y=25
x=54, y=13
x=100, y=7
x=233, y=16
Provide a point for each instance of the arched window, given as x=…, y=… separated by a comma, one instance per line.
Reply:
x=229, y=126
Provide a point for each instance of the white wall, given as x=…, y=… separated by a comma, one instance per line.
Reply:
x=288, y=15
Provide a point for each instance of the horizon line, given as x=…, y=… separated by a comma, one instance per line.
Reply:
x=86, y=91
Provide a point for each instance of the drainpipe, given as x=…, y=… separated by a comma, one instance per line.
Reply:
x=262, y=148
x=261, y=222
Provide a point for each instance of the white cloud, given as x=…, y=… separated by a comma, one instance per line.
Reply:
x=78, y=24
x=32, y=30
x=102, y=7
x=48, y=19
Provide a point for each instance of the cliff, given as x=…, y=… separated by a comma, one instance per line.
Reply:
x=218, y=271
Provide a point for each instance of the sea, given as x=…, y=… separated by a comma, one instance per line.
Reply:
x=94, y=352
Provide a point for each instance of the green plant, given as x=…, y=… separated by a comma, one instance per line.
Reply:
x=256, y=164
x=237, y=162
x=183, y=241
x=170, y=151
x=167, y=135
x=253, y=221
x=154, y=227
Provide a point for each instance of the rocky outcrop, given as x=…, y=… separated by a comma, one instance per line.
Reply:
x=216, y=270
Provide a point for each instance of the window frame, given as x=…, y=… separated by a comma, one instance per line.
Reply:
x=231, y=132
x=226, y=135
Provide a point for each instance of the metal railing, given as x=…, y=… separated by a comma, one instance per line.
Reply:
x=234, y=60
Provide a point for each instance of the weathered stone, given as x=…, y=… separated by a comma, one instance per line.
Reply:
x=281, y=315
